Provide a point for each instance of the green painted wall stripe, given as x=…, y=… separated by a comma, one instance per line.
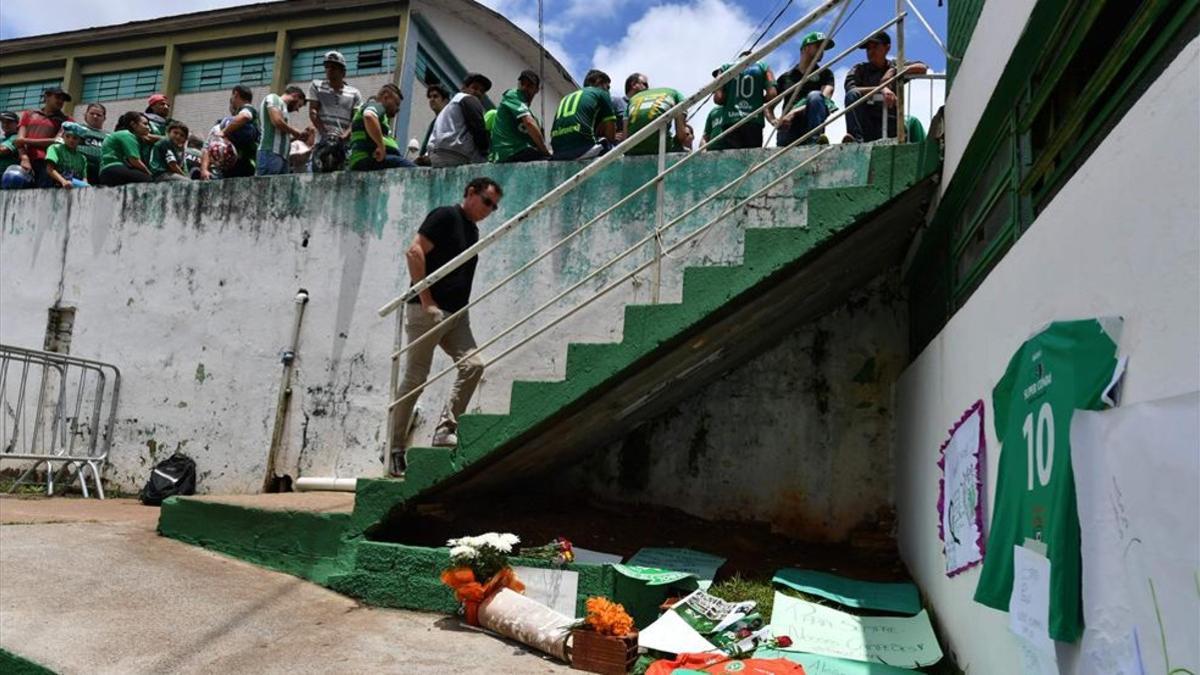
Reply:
x=961, y=17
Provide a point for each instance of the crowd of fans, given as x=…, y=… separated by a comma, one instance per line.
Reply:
x=46, y=148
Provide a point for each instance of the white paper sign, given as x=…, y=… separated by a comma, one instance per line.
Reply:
x=1136, y=475
x=671, y=634
x=556, y=589
x=1029, y=611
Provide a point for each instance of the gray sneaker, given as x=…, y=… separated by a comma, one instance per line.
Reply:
x=445, y=438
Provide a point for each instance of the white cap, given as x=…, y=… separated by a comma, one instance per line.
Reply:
x=334, y=56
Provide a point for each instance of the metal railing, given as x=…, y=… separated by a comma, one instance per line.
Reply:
x=655, y=236
x=56, y=412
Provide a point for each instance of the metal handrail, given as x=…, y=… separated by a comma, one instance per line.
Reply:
x=663, y=173
x=608, y=158
x=624, y=254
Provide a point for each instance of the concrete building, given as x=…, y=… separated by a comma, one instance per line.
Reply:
x=196, y=58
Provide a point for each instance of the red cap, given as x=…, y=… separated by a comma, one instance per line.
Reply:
x=156, y=98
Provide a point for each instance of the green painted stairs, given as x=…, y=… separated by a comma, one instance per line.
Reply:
x=487, y=443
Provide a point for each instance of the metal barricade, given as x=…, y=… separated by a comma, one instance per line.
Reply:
x=57, y=415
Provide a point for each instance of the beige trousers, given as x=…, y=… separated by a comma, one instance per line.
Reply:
x=455, y=338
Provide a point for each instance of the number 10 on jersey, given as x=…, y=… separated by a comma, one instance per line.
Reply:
x=1039, y=444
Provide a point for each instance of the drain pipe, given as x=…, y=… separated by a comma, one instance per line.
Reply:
x=313, y=484
x=271, y=482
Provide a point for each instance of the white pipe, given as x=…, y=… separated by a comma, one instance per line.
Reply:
x=315, y=484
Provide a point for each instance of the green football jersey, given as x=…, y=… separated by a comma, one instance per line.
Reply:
x=508, y=134
x=746, y=93
x=1068, y=365
x=713, y=126
x=579, y=117
x=644, y=108
x=362, y=147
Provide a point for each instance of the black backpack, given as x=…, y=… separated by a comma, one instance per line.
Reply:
x=175, y=475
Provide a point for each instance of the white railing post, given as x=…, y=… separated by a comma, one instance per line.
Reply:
x=901, y=126
x=659, y=191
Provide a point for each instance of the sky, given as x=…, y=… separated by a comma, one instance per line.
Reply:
x=676, y=43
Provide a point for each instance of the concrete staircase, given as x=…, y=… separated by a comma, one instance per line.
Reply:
x=728, y=313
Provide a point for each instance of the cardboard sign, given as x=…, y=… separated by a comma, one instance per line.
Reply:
x=901, y=598
x=701, y=565
x=556, y=589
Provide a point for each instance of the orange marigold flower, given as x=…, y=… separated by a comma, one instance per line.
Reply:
x=608, y=618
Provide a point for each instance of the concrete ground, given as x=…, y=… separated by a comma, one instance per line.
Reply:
x=89, y=587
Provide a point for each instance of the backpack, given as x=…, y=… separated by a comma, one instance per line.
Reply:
x=175, y=475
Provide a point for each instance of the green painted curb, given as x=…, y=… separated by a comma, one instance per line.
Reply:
x=11, y=664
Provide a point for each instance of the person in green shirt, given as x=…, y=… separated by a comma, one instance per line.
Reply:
x=276, y=145
x=646, y=106
x=372, y=146
x=169, y=155
x=517, y=136
x=489, y=121
x=66, y=166
x=8, y=139
x=713, y=126
x=585, y=125
x=124, y=152
x=243, y=131
x=92, y=138
x=158, y=113
x=740, y=97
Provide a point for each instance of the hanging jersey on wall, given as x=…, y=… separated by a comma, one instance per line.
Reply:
x=1069, y=365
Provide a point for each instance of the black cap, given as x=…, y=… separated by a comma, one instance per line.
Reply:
x=477, y=77
x=58, y=91
x=881, y=36
x=10, y=116
x=530, y=77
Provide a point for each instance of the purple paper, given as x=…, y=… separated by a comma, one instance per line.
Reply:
x=960, y=498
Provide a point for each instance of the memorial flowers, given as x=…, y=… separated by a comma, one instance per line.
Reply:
x=479, y=569
x=608, y=618
x=559, y=551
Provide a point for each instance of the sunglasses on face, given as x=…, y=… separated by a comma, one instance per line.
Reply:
x=488, y=202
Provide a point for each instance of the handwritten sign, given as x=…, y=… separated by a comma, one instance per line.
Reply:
x=1139, y=516
x=1029, y=611
x=906, y=642
x=701, y=565
x=960, y=505
x=556, y=589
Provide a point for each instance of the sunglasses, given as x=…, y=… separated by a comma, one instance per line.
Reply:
x=488, y=202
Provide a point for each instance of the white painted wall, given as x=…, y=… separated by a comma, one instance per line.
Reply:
x=1000, y=26
x=1121, y=238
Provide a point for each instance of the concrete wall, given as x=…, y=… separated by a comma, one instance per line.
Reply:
x=189, y=290
x=800, y=437
x=1000, y=26
x=1120, y=239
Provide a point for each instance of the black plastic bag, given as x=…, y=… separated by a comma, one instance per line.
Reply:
x=175, y=475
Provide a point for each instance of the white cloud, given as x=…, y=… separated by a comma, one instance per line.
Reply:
x=677, y=45
x=555, y=28
x=20, y=18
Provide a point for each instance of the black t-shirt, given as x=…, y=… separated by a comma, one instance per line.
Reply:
x=451, y=233
x=823, y=77
x=869, y=76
